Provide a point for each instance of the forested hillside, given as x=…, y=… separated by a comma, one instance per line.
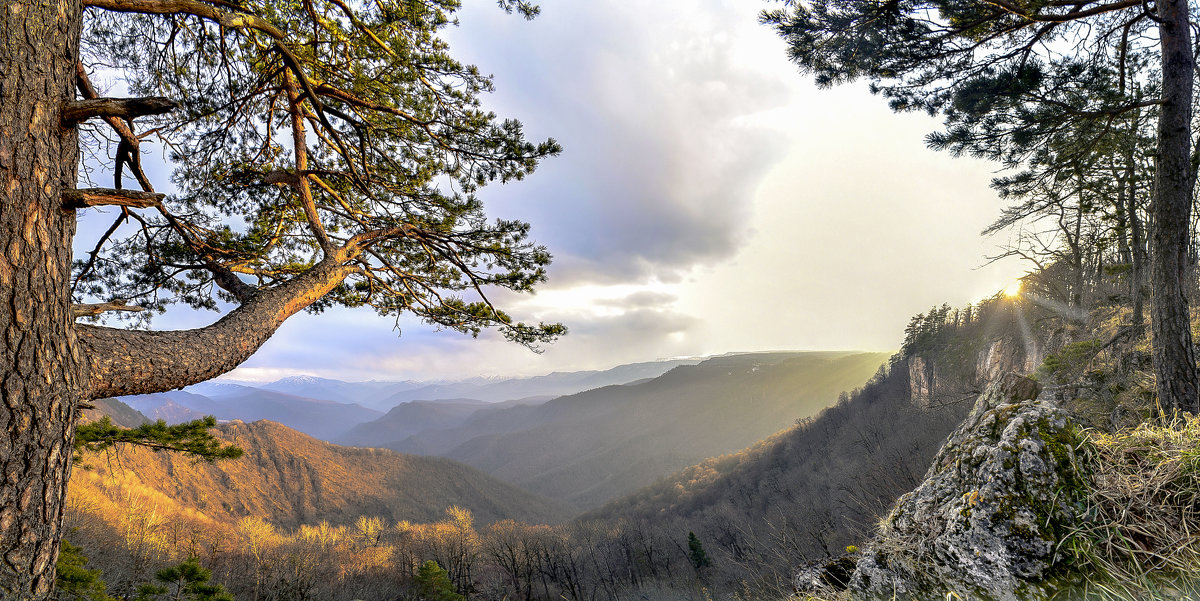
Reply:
x=288, y=479
x=812, y=490
x=413, y=418
x=735, y=526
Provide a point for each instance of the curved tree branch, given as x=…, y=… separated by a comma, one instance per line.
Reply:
x=141, y=362
x=126, y=108
x=231, y=19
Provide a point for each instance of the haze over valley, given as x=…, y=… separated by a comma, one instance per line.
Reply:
x=536, y=461
x=615, y=431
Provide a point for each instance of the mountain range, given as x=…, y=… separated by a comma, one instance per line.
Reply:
x=579, y=450
x=593, y=446
x=328, y=409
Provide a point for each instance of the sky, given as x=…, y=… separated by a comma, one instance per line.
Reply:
x=709, y=199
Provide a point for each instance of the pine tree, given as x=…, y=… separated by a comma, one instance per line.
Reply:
x=1011, y=78
x=74, y=581
x=433, y=584
x=696, y=552
x=325, y=153
x=186, y=581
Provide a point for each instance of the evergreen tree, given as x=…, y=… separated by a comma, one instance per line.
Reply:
x=325, y=153
x=696, y=552
x=433, y=584
x=1011, y=78
x=187, y=581
x=73, y=581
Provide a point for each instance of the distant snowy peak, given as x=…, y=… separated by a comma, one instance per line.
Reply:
x=215, y=388
x=303, y=380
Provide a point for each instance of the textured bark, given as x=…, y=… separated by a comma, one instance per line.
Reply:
x=139, y=362
x=42, y=374
x=49, y=365
x=97, y=197
x=126, y=108
x=1174, y=359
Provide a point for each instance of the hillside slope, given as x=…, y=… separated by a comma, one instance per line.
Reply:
x=289, y=478
x=808, y=492
x=593, y=446
x=412, y=418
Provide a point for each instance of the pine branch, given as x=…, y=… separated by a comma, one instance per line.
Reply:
x=95, y=197
x=190, y=438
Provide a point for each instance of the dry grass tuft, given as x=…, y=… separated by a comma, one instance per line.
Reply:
x=1140, y=536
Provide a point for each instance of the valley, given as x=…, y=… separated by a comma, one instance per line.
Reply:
x=518, y=472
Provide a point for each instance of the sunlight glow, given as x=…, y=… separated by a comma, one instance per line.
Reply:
x=1013, y=290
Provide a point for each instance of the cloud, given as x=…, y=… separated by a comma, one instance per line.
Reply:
x=640, y=299
x=709, y=199
x=662, y=153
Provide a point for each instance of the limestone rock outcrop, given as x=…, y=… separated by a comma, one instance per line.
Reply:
x=935, y=378
x=923, y=379
x=986, y=521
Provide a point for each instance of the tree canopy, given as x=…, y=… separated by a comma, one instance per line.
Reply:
x=323, y=153
x=1062, y=93
x=310, y=134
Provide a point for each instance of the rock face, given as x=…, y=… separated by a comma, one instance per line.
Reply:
x=1004, y=355
x=923, y=378
x=932, y=380
x=985, y=523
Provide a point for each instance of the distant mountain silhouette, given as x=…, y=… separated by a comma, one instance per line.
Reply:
x=550, y=385
x=415, y=417
x=593, y=446
x=328, y=409
x=372, y=394
x=315, y=417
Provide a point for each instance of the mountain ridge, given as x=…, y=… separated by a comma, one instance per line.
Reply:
x=591, y=446
x=289, y=479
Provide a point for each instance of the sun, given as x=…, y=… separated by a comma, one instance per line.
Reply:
x=1013, y=290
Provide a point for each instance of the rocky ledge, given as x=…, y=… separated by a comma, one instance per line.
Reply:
x=1001, y=494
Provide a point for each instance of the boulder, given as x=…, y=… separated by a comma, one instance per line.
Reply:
x=986, y=522
x=824, y=577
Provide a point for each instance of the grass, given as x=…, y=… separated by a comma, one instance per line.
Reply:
x=1140, y=533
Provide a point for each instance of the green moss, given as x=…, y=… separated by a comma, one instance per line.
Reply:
x=1070, y=362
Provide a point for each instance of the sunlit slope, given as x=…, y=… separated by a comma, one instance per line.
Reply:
x=816, y=487
x=289, y=478
x=593, y=446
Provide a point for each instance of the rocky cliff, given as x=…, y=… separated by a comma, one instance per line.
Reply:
x=936, y=378
x=1023, y=504
x=986, y=521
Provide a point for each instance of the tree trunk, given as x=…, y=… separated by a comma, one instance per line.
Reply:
x=43, y=374
x=1137, y=246
x=1174, y=360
